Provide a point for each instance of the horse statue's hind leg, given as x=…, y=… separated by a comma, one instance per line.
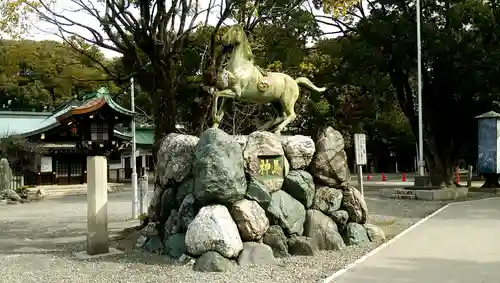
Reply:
x=287, y=102
x=276, y=107
x=288, y=116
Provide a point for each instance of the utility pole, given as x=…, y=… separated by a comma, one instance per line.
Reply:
x=421, y=164
x=135, y=200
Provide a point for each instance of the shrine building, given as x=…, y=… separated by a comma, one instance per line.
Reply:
x=61, y=140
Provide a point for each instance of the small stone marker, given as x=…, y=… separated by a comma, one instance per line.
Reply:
x=97, y=205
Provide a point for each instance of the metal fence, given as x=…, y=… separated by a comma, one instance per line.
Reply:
x=17, y=182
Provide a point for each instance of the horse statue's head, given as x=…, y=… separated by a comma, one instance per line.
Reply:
x=235, y=38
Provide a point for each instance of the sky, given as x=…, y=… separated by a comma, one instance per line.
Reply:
x=42, y=30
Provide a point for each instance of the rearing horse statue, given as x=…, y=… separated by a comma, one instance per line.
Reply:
x=248, y=82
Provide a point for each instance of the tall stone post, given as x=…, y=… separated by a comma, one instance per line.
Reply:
x=143, y=189
x=97, y=205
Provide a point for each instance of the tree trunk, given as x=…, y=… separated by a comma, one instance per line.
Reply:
x=439, y=152
x=491, y=181
x=440, y=162
x=165, y=108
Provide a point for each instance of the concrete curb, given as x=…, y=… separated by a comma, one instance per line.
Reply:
x=436, y=195
x=54, y=192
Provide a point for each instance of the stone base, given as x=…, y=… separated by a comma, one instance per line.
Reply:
x=422, y=181
x=439, y=195
x=83, y=255
x=291, y=216
x=425, y=188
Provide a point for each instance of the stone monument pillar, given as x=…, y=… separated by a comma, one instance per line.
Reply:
x=97, y=205
x=143, y=189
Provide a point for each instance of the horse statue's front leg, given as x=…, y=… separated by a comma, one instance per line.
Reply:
x=233, y=84
x=218, y=111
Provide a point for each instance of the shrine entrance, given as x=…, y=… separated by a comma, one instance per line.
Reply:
x=69, y=169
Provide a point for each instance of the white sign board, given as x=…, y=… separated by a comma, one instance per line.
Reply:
x=360, y=146
x=46, y=164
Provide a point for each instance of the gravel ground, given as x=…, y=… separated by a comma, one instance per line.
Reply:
x=37, y=241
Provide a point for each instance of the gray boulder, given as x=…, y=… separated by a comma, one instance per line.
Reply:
x=354, y=203
x=145, y=234
x=153, y=245
x=256, y=253
x=185, y=260
x=154, y=209
x=218, y=168
x=299, y=150
x=213, y=229
x=167, y=203
x=175, y=245
x=300, y=185
x=327, y=200
x=355, y=234
x=258, y=192
x=174, y=158
x=329, y=165
x=250, y=218
x=287, y=212
x=375, y=233
x=276, y=239
x=300, y=245
x=214, y=262
x=187, y=212
x=241, y=140
x=141, y=241
x=173, y=224
x=323, y=231
x=5, y=177
x=150, y=230
x=265, y=144
x=186, y=188
x=12, y=195
x=340, y=217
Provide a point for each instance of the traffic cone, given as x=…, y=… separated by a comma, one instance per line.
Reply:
x=403, y=178
x=384, y=178
x=369, y=177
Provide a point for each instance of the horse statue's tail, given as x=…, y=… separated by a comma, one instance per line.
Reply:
x=308, y=84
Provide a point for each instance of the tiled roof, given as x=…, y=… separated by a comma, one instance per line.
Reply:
x=143, y=136
x=32, y=123
x=14, y=122
x=491, y=114
x=103, y=93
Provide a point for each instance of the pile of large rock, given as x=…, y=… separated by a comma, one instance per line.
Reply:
x=6, y=192
x=223, y=201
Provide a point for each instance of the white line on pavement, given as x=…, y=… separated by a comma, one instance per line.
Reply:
x=381, y=247
x=388, y=243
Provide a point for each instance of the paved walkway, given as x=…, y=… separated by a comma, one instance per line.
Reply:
x=460, y=244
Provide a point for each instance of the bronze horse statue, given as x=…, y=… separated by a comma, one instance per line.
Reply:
x=248, y=82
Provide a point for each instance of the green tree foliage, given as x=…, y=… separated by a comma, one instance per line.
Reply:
x=460, y=58
x=155, y=43
x=168, y=65
x=40, y=75
x=15, y=16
